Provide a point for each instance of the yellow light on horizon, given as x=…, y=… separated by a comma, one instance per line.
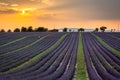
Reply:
x=27, y=11
x=23, y=11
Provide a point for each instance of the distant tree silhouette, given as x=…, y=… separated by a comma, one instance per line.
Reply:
x=54, y=30
x=111, y=30
x=114, y=30
x=41, y=29
x=23, y=29
x=17, y=30
x=81, y=29
x=30, y=29
x=45, y=29
x=102, y=28
x=65, y=30
x=2, y=30
x=9, y=30
x=96, y=29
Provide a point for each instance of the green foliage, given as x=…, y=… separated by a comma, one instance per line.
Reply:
x=81, y=68
x=106, y=45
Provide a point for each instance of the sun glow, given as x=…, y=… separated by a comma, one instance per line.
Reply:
x=27, y=11
x=23, y=11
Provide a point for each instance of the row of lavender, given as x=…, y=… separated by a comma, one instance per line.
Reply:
x=101, y=63
x=58, y=63
x=113, y=39
x=27, y=39
x=8, y=37
x=15, y=58
x=116, y=34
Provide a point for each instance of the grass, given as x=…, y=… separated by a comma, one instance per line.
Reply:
x=81, y=68
x=13, y=41
x=31, y=44
x=114, y=36
x=30, y=61
x=106, y=45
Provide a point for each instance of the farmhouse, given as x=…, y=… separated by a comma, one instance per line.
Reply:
x=74, y=30
x=88, y=30
x=60, y=30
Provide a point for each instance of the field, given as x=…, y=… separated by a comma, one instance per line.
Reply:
x=59, y=56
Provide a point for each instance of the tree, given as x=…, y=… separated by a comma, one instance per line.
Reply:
x=96, y=29
x=41, y=29
x=111, y=30
x=65, y=30
x=2, y=30
x=30, y=29
x=23, y=29
x=9, y=30
x=17, y=30
x=81, y=29
x=102, y=28
x=54, y=30
x=45, y=29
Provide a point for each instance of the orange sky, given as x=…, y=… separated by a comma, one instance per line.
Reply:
x=59, y=13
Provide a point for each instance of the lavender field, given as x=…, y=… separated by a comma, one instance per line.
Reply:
x=59, y=56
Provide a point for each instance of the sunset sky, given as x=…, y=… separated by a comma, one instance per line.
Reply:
x=59, y=13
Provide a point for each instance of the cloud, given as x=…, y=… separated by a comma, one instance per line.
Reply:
x=72, y=9
x=14, y=5
x=8, y=11
x=3, y=4
x=7, y=5
x=32, y=0
x=90, y=9
x=21, y=2
x=47, y=16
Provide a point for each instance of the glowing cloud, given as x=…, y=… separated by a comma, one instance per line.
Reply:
x=23, y=11
x=3, y=4
x=60, y=12
x=14, y=5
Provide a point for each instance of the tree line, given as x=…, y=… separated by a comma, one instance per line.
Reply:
x=42, y=29
x=102, y=28
x=30, y=29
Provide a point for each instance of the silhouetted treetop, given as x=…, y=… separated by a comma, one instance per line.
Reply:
x=102, y=28
x=81, y=29
x=41, y=29
x=9, y=30
x=2, y=30
x=17, y=30
x=23, y=29
x=96, y=29
x=30, y=29
x=54, y=30
x=65, y=30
